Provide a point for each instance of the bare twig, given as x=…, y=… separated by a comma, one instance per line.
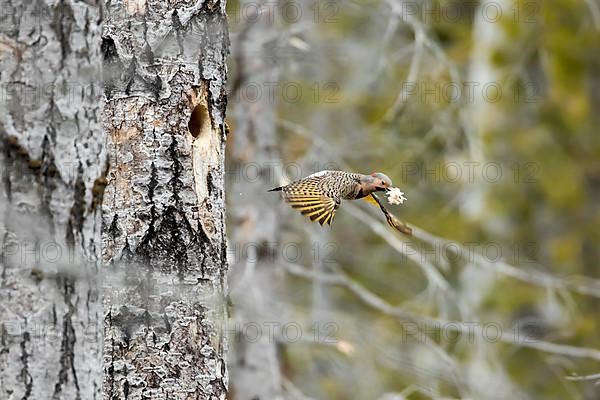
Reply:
x=594, y=377
x=582, y=285
x=474, y=328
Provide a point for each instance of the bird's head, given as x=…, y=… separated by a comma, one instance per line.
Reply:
x=376, y=182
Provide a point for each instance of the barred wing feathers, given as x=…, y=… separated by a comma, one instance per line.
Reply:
x=318, y=195
x=308, y=197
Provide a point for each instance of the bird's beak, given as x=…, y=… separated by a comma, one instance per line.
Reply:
x=386, y=189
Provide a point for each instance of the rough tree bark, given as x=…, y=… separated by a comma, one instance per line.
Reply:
x=52, y=160
x=162, y=233
x=163, y=209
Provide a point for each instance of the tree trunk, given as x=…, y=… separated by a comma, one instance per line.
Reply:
x=163, y=210
x=161, y=231
x=253, y=145
x=52, y=160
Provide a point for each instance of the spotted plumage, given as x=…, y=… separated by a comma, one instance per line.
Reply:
x=319, y=195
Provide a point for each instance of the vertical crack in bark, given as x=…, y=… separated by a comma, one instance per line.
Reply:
x=26, y=377
x=3, y=340
x=126, y=388
x=62, y=25
x=5, y=171
x=147, y=54
x=110, y=369
x=3, y=261
x=145, y=248
x=130, y=74
x=155, y=86
x=113, y=229
x=112, y=65
x=76, y=218
x=177, y=169
x=49, y=174
x=67, y=347
x=178, y=27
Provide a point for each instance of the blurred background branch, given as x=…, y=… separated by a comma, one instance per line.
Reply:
x=485, y=115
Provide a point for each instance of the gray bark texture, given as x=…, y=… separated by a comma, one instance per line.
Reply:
x=52, y=161
x=134, y=196
x=163, y=208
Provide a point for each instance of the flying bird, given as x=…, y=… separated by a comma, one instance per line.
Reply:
x=318, y=196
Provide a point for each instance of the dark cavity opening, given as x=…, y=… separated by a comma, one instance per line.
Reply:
x=199, y=121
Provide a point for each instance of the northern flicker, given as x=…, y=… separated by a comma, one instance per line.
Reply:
x=318, y=196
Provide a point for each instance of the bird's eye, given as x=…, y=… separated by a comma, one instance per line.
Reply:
x=382, y=183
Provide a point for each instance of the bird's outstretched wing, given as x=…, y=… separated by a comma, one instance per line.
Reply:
x=308, y=197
